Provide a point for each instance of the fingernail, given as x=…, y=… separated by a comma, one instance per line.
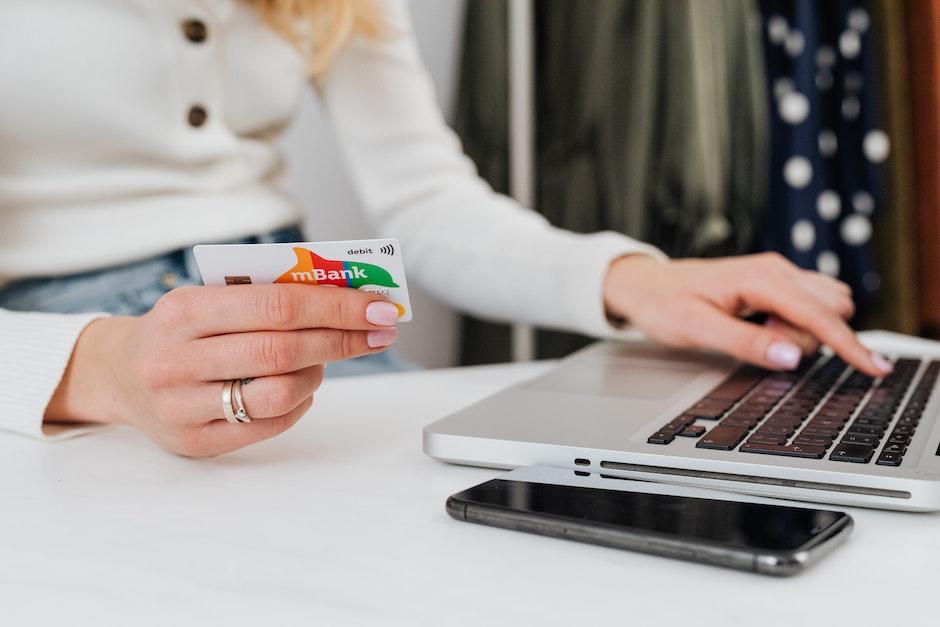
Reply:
x=784, y=354
x=382, y=337
x=881, y=363
x=380, y=312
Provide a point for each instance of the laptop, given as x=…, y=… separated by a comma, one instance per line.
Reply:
x=823, y=433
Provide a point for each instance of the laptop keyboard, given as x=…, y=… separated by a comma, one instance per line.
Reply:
x=823, y=408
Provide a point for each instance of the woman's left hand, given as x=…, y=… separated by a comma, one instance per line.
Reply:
x=698, y=303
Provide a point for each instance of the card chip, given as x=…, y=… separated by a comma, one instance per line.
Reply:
x=238, y=280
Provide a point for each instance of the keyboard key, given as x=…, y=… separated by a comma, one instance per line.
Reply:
x=842, y=404
x=889, y=459
x=795, y=450
x=774, y=421
x=798, y=411
x=866, y=430
x=748, y=414
x=680, y=423
x=759, y=438
x=713, y=403
x=848, y=452
x=764, y=398
x=693, y=431
x=737, y=385
x=722, y=438
x=837, y=410
x=837, y=420
x=806, y=440
x=900, y=438
x=745, y=423
x=662, y=437
x=820, y=432
x=853, y=438
x=775, y=430
x=788, y=415
x=822, y=423
x=706, y=413
x=871, y=422
x=897, y=449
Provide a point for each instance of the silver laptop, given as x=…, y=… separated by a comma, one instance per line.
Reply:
x=823, y=433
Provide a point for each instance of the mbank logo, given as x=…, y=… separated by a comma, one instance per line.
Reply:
x=314, y=269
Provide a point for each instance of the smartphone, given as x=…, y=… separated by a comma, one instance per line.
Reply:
x=695, y=524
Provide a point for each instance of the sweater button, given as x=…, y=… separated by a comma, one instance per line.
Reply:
x=197, y=116
x=195, y=31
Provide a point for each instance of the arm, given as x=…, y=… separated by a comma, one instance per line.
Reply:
x=35, y=350
x=478, y=250
x=163, y=372
x=485, y=254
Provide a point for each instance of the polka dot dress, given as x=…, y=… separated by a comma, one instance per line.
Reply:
x=826, y=149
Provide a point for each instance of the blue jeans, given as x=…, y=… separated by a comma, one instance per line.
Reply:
x=134, y=288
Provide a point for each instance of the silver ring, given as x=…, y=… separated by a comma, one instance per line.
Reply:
x=227, y=410
x=240, y=413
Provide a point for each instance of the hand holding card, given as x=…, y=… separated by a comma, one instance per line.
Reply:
x=166, y=372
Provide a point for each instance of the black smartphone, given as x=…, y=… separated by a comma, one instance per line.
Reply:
x=694, y=524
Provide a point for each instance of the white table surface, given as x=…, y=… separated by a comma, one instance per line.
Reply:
x=341, y=522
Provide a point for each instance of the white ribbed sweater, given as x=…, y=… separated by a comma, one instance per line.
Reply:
x=100, y=165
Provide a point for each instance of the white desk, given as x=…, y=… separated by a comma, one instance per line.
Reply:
x=341, y=522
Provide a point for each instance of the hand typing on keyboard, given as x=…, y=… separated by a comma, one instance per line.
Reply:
x=822, y=408
x=698, y=303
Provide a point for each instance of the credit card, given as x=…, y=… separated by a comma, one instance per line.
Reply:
x=372, y=265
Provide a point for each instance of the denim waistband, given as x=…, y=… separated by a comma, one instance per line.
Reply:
x=129, y=289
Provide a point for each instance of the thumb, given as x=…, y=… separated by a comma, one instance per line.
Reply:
x=760, y=345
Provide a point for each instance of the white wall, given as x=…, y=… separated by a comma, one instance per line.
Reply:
x=316, y=177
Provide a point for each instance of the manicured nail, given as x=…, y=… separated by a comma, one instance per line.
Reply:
x=380, y=312
x=784, y=354
x=881, y=363
x=382, y=337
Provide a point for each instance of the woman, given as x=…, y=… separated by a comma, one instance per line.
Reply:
x=133, y=129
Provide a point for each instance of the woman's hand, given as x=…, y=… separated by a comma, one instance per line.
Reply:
x=163, y=372
x=698, y=304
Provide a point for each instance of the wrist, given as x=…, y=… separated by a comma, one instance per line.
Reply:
x=91, y=387
x=624, y=284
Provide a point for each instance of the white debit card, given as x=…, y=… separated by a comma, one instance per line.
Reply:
x=373, y=265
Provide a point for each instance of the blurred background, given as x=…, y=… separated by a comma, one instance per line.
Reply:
x=705, y=127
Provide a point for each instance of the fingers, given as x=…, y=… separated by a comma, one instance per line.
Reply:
x=760, y=345
x=784, y=300
x=206, y=311
x=834, y=294
x=771, y=269
x=267, y=353
x=219, y=436
x=276, y=399
x=264, y=397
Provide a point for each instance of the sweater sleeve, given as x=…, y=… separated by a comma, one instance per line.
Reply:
x=35, y=348
x=477, y=250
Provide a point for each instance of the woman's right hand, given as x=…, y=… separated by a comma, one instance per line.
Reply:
x=163, y=372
